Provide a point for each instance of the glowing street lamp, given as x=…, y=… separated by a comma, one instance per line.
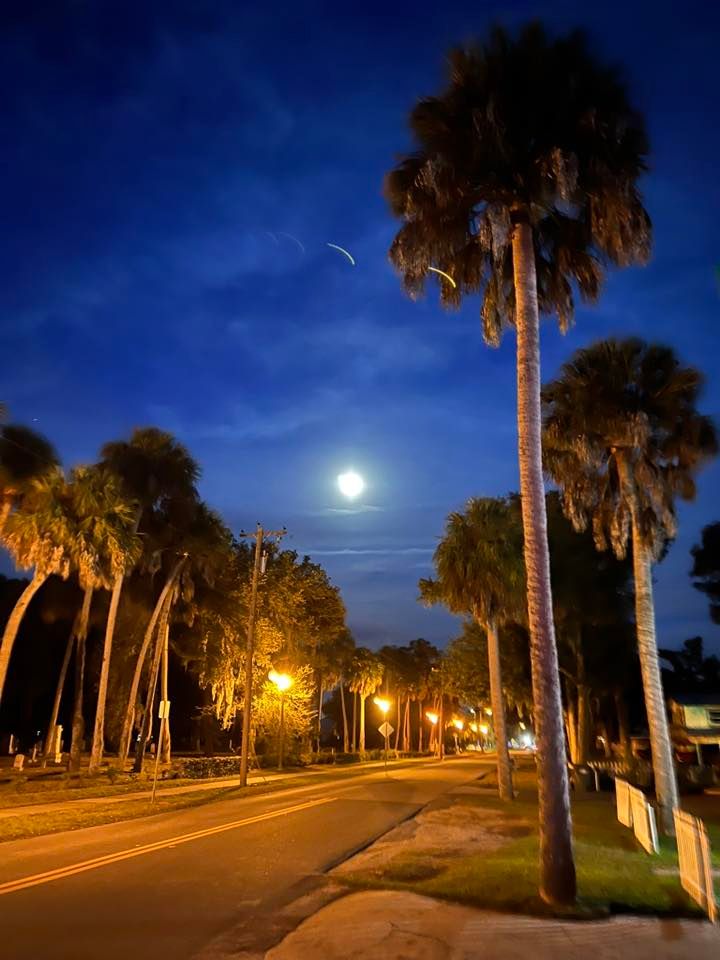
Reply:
x=458, y=724
x=283, y=682
x=433, y=718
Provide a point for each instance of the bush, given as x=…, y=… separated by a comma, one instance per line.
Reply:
x=201, y=768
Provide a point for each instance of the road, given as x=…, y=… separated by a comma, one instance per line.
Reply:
x=206, y=882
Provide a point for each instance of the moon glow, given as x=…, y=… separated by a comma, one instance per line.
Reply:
x=350, y=484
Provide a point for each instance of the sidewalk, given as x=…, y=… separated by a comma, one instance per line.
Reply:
x=399, y=926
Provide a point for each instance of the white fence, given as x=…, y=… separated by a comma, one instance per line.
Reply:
x=633, y=810
x=643, y=821
x=622, y=802
x=695, y=861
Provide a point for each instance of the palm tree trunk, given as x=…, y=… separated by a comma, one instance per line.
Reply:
x=50, y=735
x=583, y=706
x=623, y=725
x=557, y=868
x=572, y=730
x=98, y=743
x=583, y=727
x=346, y=732
x=504, y=770
x=13, y=625
x=147, y=724
x=660, y=744
x=164, y=745
x=127, y=727
x=398, y=700
x=354, y=720
x=319, y=720
x=362, y=723
x=78, y=722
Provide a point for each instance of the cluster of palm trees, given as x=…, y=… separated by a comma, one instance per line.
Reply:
x=523, y=187
x=130, y=522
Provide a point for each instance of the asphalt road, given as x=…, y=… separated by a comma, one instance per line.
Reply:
x=207, y=882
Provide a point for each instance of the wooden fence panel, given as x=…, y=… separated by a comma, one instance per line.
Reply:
x=695, y=861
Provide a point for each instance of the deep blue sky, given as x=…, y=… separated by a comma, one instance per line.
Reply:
x=154, y=154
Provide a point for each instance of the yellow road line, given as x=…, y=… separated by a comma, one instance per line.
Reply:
x=11, y=886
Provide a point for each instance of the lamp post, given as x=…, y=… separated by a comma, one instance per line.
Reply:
x=459, y=727
x=484, y=730
x=283, y=682
x=384, y=706
x=433, y=718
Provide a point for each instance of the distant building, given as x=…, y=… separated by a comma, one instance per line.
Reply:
x=695, y=719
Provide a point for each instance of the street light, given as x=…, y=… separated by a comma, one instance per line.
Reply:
x=459, y=726
x=484, y=730
x=283, y=682
x=432, y=717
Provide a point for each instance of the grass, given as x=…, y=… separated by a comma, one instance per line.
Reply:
x=62, y=787
x=614, y=874
x=38, y=824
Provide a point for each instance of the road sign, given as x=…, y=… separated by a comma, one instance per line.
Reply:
x=385, y=730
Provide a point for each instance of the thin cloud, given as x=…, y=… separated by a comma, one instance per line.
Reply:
x=360, y=508
x=373, y=552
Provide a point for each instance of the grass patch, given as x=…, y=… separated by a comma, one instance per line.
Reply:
x=63, y=787
x=38, y=824
x=614, y=874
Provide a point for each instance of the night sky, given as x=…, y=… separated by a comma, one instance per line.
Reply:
x=155, y=158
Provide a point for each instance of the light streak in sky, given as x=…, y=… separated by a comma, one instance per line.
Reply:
x=343, y=251
x=443, y=274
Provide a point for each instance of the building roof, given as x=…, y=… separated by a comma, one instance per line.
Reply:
x=697, y=699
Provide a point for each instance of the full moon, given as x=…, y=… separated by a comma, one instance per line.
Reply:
x=351, y=484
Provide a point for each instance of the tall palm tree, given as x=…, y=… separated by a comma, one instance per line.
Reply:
x=521, y=186
x=365, y=677
x=105, y=548
x=623, y=439
x=39, y=536
x=101, y=543
x=330, y=656
x=24, y=456
x=342, y=653
x=479, y=570
x=152, y=467
x=204, y=550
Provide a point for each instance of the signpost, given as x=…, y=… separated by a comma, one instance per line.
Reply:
x=163, y=715
x=385, y=730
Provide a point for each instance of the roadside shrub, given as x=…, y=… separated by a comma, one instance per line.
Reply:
x=201, y=768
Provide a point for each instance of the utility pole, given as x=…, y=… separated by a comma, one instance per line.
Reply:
x=258, y=569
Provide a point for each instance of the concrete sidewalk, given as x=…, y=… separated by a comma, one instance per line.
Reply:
x=404, y=926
